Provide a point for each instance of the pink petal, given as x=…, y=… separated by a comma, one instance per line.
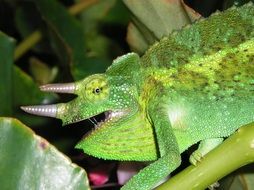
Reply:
x=100, y=175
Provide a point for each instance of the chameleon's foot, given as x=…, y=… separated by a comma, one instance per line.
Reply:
x=196, y=157
x=205, y=146
x=214, y=186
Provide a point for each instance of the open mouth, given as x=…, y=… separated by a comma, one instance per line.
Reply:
x=97, y=120
x=102, y=118
x=107, y=116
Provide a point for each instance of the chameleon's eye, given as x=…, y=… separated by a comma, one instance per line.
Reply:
x=97, y=89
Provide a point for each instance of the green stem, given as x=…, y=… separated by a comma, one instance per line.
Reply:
x=79, y=7
x=27, y=44
x=36, y=36
x=236, y=151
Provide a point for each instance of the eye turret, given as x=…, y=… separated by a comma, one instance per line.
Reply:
x=97, y=89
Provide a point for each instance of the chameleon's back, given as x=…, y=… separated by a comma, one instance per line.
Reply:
x=204, y=38
x=208, y=71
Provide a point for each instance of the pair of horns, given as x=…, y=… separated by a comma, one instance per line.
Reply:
x=50, y=110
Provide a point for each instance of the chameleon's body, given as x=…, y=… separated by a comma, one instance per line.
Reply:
x=195, y=85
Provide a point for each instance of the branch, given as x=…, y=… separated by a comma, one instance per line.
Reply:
x=235, y=152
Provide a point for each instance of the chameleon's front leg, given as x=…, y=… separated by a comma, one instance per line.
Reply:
x=169, y=156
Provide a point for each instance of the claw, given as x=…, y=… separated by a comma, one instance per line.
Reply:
x=42, y=110
x=59, y=88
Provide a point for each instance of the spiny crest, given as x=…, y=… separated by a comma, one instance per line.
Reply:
x=125, y=65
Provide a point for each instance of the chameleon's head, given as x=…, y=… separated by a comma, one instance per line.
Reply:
x=125, y=133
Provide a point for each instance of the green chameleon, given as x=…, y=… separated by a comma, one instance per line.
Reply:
x=196, y=85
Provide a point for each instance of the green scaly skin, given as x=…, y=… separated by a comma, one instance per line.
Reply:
x=195, y=85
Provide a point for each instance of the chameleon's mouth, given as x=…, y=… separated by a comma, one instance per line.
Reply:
x=102, y=119
x=97, y=120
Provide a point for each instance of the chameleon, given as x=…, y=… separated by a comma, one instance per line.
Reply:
x=195, y=85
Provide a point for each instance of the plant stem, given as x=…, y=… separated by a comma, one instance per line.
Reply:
x=36, y=36
x=27, y=43
x=78, y=7
x=236, y=151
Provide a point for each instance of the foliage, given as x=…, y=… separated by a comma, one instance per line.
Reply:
x=33, y=163
x=55, y=43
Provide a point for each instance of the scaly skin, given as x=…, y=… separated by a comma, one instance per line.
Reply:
x=195, y=85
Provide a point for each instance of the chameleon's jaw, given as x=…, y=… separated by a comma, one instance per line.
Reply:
x=121, y=136
x=109, y=116
x=54, y=111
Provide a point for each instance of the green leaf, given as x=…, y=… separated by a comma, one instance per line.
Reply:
x=100, y=48
x=68, y=37
x=26, y=92
x=28, y=20
x=41, y=72
x=119, y=14
x=28, y=161
x=17, y=88
x=155, y=19
x=95, y=15
x=6, y=59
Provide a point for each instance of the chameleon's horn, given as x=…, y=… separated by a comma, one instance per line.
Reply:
x=42, y=110
x=59, y=88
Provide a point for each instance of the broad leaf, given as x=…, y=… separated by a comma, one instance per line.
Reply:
x=26, y=92
x=67, y=37
x=28, y=161
x=28, y=20
x=17, y=88
x=153, y=20
x=6, y=59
